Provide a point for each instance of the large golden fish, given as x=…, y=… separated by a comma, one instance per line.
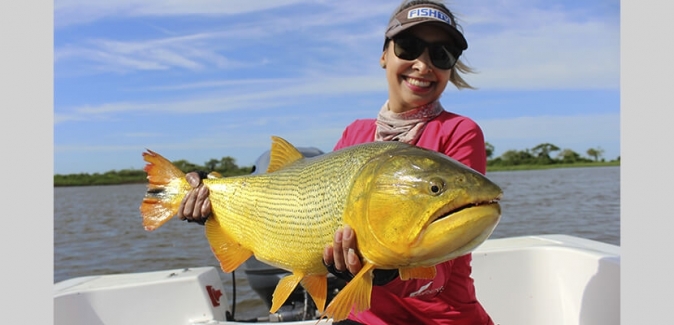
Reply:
x=410, y=209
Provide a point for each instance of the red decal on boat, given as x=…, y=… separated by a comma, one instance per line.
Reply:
x=215, y=295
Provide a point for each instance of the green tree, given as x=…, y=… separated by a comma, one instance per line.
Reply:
x=186, y=166
x=514, y=157
x=490, y=149
x=212, y=164
x=127, y=176
x=569, y=156
x=228, y=166
x=542, y=152
x=595, y=153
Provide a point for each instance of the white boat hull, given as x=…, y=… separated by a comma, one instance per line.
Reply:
x=552, y=280
x=547, y=279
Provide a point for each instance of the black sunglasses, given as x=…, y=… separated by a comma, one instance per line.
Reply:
x=443, y=55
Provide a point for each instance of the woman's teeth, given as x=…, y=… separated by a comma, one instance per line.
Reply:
x=418, y=83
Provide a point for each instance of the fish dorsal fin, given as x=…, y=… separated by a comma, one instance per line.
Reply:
x=282, y=153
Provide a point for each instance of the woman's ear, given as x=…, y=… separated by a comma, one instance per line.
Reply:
x=382, y=60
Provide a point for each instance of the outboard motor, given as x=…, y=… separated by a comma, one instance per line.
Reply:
x=263, y=278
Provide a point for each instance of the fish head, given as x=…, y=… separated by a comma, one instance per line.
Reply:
x=416, y=207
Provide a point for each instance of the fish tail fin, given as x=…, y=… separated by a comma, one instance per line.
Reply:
x=317, y=287
x=283, y=290
x=355, y=296
x=417, y=273
x=165, y=189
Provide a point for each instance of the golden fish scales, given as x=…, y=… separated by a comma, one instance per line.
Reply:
x=271, y=208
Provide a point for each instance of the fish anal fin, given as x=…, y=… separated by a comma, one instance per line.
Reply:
x=355, y=296
x=283, y=290
x=317, y=287
x=282, y=153
x=417, y=273
x=229, y=252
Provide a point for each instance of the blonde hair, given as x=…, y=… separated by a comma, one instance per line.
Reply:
x=460, y=67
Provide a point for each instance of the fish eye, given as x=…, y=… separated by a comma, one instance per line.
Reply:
x=436, y=186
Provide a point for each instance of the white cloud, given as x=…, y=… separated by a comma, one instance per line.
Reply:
x=205, y=48
x=519, y=47
x=512, y=46
x=103, y=61
x=71, y=12
x=191, y=52
x=332, y=52
x=250, y=98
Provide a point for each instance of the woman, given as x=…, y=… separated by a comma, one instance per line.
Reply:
x=420, y=56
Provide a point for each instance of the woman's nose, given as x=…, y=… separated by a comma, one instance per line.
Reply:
x=423, y=63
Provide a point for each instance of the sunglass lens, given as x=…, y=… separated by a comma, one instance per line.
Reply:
x=408, y=48
x=441, y=57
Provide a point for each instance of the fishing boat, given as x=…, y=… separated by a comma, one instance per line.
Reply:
x=539, y=279
x=526, y=280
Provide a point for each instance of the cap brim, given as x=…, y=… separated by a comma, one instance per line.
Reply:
x=454, y=33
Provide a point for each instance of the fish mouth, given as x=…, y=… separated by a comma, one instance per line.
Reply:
x=449, y=210
x=454, y=231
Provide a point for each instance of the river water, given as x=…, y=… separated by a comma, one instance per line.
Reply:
x=98, y=229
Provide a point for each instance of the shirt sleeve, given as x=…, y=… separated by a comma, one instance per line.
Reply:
x=467, y=145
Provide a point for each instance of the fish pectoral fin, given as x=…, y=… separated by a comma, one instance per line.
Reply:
x=317, y=287
x=283, y=290
x=282, y=153
x=229, y=252
x=417, y=273
x=354, y=296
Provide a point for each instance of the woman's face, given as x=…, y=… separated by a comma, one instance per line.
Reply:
x=416, y=82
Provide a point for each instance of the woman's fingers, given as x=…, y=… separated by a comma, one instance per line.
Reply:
x=350, y=254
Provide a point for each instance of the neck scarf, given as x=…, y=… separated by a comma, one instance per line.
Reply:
x=406, y=126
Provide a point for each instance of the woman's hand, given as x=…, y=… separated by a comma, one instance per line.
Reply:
x=195, y=206
x=343, y=260
x=342, y=257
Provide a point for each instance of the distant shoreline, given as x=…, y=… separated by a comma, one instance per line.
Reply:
x=551, y=166
x=139, y=177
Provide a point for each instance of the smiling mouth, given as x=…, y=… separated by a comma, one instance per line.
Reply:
x=418, y=82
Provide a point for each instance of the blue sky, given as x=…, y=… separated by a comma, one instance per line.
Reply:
x=34, y=81
x=205, y=79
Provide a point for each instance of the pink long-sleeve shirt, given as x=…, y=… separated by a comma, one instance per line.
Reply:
x=449, y=298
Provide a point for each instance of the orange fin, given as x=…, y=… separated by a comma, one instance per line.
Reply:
x=317, y=287
x=282, y=153
x=229, y=252
x=417, y=273
x=283, y=290
x=165, y=189
x=355, y=296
